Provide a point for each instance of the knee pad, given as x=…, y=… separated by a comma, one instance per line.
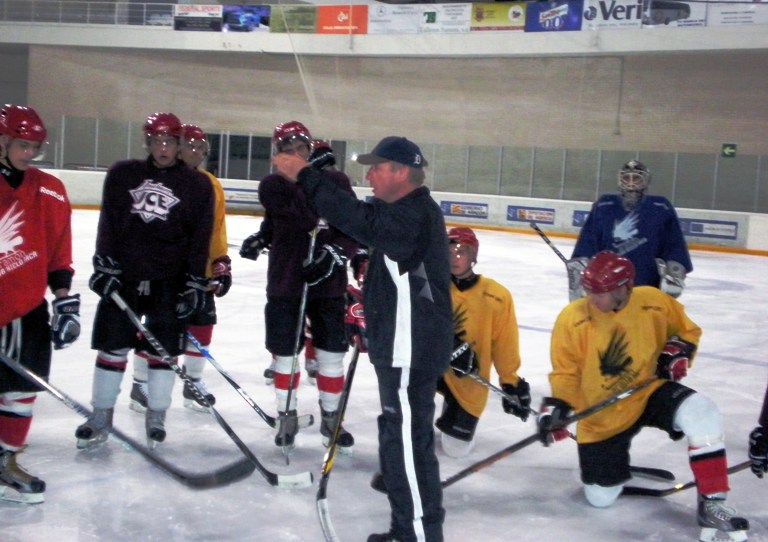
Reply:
x=602, y=496
x=700, y=419
x=456, y=448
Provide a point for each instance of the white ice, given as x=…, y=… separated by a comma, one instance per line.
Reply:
x=113, y=494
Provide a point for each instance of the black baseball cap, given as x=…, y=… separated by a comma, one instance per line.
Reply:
x=394, y=149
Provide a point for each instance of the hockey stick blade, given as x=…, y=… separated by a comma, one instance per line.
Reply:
x=650, y=492
x=203, y=480
x=304, y=421
x=279, y=480
x=652, y=473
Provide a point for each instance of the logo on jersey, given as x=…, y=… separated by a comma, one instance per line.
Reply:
x=152, y=201
x=615, y=362
x=11, y=257
x=625, y=234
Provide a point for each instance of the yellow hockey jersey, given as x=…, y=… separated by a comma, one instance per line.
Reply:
x=485, y=313
x=596, y=355
x=218, y=246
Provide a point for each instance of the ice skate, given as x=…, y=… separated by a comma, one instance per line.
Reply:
x=192, y=402
x=345, y=441
x=96, y=429
x=155, y=425
x=715, y=517
x=16, y=484
x=310, y=365
x=269, y=373
x=285, y=438
x=139, y=396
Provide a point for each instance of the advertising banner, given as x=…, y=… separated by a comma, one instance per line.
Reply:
x=464, y=209
x=346, y=19
x=394, y=19
x=600, y=14
x=197, y=18
x=736, y=12
x=246, y=18
x=541, y=215
x=713, y=229
x=554, y=16
x=295, y=19
x=498, y=16
x=672, y=13
x=445, y=18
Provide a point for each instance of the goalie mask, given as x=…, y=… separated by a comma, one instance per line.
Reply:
x=634, y=179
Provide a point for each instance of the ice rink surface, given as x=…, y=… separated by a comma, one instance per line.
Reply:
x=113, y=494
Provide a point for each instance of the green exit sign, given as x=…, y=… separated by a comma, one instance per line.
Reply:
x=729, y=150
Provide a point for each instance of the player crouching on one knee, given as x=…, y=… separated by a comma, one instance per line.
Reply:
x=618, y=337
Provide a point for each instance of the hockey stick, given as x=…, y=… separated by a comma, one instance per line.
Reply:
x=323, y=513
x=547, y=241
x=296, y=346
x=299, y=480
x=304, y=421
x=493, y=458
x=511, y=398
x=649, y=492
x=200, y=480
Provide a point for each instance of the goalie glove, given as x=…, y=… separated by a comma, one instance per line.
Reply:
x=254, y=245
x=674, y=359
x=65, y=322
x=329, y=259
x=192, y=299
x=106, y=276
x=671, y=277
x=758, y=451
x=521, y=392
x=354, y=319
x=550, y=420
x=463, y=360
x=222, y=276
x=574, y=267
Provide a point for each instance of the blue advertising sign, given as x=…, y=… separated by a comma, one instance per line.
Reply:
x=713, y=229
x=554, y=16
x=579, y=218
x=516, y=213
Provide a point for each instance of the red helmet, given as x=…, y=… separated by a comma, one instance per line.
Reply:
x=21, y=122
x=191, y=132
x=607, y=271
x=464, y=236
x=162, y=124
x=288, y=131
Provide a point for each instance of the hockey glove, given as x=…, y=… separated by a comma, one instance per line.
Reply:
x=222, y=276
x=758, y=451
x=674, y=359
x=254, y=245
x=354, y=319
x=574, y=267
x=322, y=158
x=329, y=259
x=359, y=263
x=550, y=420
x=463, y=360
x=192, y=299
x=672, y=277
x=106, y=276
x=65, y=322
x=521, y=392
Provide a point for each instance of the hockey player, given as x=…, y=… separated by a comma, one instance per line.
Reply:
x=758, y=442
x=408, y=318
x=643, y=228
x=619, y=336
x=484, y=317
x=293, y=223
x=35, y=253
x=193, y=151
x=152, y=248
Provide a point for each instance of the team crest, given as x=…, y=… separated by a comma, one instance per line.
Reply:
x=152, y=201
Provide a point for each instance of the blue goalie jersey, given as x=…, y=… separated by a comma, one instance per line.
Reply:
x=649, y=231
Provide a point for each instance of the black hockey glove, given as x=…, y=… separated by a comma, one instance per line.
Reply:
x=674, y=359
x=254, y=245
x=521, y=392
x=192, y=299
x=328, y=260
x=359, y=264
x=354, y=319
x=106, y=276
x=463, y=360
x=222, y=276
x=65, y=321
x=550, y=419
x=322, y=158
x=758, y=451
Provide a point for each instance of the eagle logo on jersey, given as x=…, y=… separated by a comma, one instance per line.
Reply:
x=152, y=201
x=614, y=360
x=626, y=228
x=10, y=224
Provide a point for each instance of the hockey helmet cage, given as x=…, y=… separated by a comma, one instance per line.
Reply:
x=607, y=271
x=290, y=131
x=464, y=236
x=162, y=124
x=20, y=122
x=634, y=176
